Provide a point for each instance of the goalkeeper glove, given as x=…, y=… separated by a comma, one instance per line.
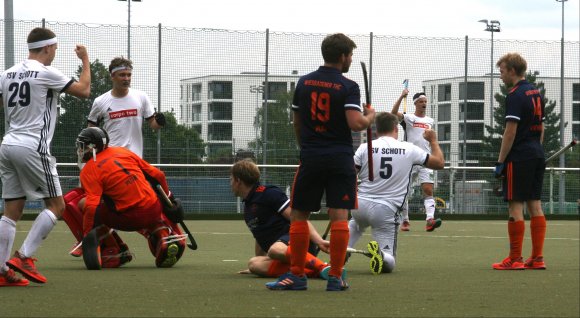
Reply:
x=160, y=119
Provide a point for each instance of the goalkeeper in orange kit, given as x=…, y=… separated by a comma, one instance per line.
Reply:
x=118, y=193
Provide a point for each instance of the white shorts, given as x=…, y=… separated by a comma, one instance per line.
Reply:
x=422, y=174
x=27, y=173
x=383, y=220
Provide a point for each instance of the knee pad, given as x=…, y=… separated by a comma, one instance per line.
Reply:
x=72, y=215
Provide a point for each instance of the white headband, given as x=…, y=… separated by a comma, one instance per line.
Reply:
x=121, y=68
x=419, y=97
x=43, y=43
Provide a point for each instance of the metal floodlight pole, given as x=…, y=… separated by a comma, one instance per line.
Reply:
x=129, y=26
x=562, y=185
x=490, y=26
x=8, y=34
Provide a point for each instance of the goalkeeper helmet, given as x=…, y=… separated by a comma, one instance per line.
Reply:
x=90, y=142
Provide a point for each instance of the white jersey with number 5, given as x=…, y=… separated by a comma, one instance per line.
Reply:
x=29, y=92
x=414, y=127
x=393, y=161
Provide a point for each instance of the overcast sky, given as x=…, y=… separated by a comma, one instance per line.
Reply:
x=520, y=19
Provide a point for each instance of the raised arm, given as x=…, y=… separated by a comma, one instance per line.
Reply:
x=395, y=110
x=82, y=88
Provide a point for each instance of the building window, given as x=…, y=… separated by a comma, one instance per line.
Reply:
x=219, y=111
x=474, y=111
x=473, y=151
x=446, y=150
x=220, y=90
x=197, y=128
x=196, y=112
x=444, y=112
x=196, y=92
x=475, y=90
x=576, y=131
x=444, y=93
x=275, y=89
x=444, y=132
x=219, y=131
x=474, y=131
x=576, y=102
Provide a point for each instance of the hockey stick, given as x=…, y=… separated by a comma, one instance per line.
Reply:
x=369, y=129
x=355, y=251
x=405, y=86
x=193, y=244
x=498, y=190
x=76, y=247
x=324, y=235
x=559, y=152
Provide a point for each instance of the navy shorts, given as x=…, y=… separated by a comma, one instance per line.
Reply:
x=334, y=175
x=523, y=180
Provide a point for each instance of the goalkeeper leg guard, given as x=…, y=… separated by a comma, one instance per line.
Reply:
x=72, y=216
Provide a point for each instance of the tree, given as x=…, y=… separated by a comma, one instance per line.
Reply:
x=492, y=141
x=179, y=144
x=74, y=111
x=281, y=147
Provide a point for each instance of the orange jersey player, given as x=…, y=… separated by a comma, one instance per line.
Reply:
x=118, y=193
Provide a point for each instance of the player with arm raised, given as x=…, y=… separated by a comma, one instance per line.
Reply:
x=381, y=200
x=122, y=109
x=521, y=163
x=326, y=109
x=414, y=125
x=29, y=93
x=267, y=215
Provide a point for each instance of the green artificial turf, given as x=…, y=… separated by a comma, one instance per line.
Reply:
x=446, y=273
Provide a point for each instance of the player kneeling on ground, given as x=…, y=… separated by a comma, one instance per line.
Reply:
x=118, y=193
x=381, y=200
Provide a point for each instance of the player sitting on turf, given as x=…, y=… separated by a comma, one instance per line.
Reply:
x=117, y=193
x=267, y=215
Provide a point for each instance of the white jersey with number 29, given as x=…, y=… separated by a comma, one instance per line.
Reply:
x=29, y=93
x=393, y=161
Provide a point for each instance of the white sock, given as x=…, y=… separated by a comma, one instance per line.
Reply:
x=44, y=223
x=388, y=263
x=355, y=233
x=405, y=211
x=7, y=234
x=429, y=203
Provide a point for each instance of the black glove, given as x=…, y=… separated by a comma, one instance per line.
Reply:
x=160, y=118
x=175, y=213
